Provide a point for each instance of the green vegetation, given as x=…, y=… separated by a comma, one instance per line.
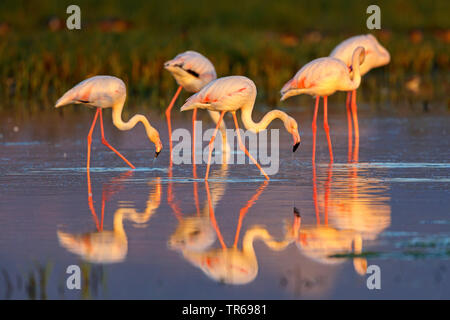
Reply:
x=266, y=40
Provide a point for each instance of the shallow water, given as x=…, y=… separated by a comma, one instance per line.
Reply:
x=160, y=234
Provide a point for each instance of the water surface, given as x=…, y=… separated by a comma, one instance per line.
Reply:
x=157, y=233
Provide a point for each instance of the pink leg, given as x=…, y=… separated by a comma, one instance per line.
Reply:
x=91, y=201
x=111, y=147
x=349, y=122
x=89, y=141
x=194, y=167
x=316, y=204
x=314, y=129
x=326, y=127
x=213, y=217
x=211, y=144
x=355, y=124
x=243, y=148
x=169, y=124
x=327, y=191
x=244, y=210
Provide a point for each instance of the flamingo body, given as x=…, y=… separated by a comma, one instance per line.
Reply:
x=224, y=94
x=320, y=77
x=98, y=91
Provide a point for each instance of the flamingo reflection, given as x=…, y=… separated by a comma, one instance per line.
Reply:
x=355, y=209
x=322, y=242
x=232, y=265
x=195, y=232
x=110, y=246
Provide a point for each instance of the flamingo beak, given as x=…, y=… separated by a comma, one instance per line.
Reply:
x=158, y=149
x=296, y=141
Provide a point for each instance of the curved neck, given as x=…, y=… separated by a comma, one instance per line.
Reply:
x=121, y=125
x=356, y=81
x=246, y=116
x=263, y=234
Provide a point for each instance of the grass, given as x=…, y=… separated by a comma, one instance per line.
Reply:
x=268, y=41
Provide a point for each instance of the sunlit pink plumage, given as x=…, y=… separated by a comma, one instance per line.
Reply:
x=107, y=92
x=192, y=71
x=229, y=94
x=376, y=56
x=323, y=77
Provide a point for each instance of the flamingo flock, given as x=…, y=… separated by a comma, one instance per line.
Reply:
x=322, y=77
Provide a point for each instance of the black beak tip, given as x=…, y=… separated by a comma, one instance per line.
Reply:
x=157, y=154
x=295, y=147
x=296, y=212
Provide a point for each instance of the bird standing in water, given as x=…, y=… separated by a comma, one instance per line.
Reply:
x=376, y=56
x=107, y=92
x=229, y=94
x=192, y=71
x=323, y=77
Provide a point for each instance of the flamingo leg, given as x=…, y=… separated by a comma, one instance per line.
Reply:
x=110, y=146
x=211, y=144
x=194, y=168
x=327, y=191
x=314, y=128
x=326, y=127
x=349, y=122
x=89, y=141
x=169, y=123
x=316, y=204
x=213, y=217
x=91, y=202
x=245, y=209
x=355, y=124
x=243, y=148
x=103, y=212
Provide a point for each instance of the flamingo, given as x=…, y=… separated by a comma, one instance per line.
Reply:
x=192, y=71
x=321, y=78
x=376, y=56
x=107, y=92
x=229, y=94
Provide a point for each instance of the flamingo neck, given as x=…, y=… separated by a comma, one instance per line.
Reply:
x=263, y=234
x=246, y=115
x=130, y=124
x=356, y=71
x=118, y=225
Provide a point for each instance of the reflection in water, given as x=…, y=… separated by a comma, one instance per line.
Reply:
x=354, y=210
x=110, y=246
x=359, y=204
x=229, y=265
x=195, y=232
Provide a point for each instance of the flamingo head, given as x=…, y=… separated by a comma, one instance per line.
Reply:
x=292, y=127
x=154, y=138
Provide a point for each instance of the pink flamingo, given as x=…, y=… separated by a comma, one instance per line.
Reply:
x=107, y=92
x=192, y=71
x=376, y=56
x=229, y=94
x=321, y=78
